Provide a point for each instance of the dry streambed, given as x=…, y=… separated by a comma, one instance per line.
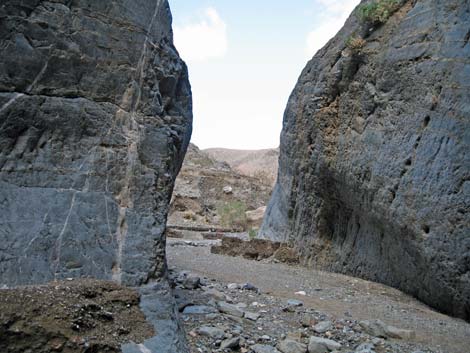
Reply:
x=235, y=304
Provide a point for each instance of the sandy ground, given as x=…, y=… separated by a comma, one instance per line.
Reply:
x=338, y=295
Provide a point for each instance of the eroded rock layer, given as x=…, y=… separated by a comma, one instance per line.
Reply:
x=374, y=166
x=95, y=118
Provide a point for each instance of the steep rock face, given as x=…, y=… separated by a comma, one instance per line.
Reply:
x=95, y=118
x=374, y=165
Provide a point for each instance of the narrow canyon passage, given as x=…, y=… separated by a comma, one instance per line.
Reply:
x=329, y=297
x=119, y=235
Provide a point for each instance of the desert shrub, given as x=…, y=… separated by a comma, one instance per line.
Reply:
x=232, y=214
x=189, y=215
x=252, y=233
x=378, y=11
x=355, y=44
x=263, y=176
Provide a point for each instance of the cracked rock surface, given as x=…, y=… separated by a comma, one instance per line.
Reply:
x=95, y=118
x=374, y=164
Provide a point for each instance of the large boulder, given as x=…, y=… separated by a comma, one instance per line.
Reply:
x=95, y=119
x=374, y=165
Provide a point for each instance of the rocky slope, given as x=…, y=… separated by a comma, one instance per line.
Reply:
x=95, y=118
x=374, y=164
x=255, y=163
x=209, y=194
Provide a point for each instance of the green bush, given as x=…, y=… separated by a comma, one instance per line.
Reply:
x=232, y=214
x=252, y=233
x=378, y=11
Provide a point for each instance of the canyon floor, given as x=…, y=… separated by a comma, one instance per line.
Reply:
x=218, y=312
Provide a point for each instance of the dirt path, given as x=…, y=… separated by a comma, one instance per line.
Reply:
x=336, y=295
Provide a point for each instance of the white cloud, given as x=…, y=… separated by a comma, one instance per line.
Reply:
x=203, y=40
x=339, y=6
x=335, y=14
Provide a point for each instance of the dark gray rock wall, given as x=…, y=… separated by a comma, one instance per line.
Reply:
x=374, y=175
x=95, y=118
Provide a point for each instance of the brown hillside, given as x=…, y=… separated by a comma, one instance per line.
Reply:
x=208, y=193
x=256, y=163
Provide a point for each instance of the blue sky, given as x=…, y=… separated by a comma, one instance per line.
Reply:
x=244, y=58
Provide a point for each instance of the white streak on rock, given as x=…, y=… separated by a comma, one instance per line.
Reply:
x=38, y=77
x=11, y=101
x=144, y=349
x=61, y=235
x=124, y=197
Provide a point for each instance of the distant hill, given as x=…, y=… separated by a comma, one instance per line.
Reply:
x=261, y=164
x=209, y=193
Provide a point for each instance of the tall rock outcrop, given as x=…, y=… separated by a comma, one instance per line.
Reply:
x=375, y=163
x=95, y=118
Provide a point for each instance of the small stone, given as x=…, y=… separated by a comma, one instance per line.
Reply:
x=237, y=319
x=323, y=326
x=315, y=345
x=262, y=348
x=374, y=328
x=291, y=346
x=106, y=315
x=234, y=286
x=212, y=332
x=365, y=348
x=182, y=276
x=365, y=345
x=307, y=320
x=378, y=341
x=303, y=293
x=365, y=351
x=191, y=282
x=294, y=302
x=237, y=330
x=215, y=294
x=378, y=328
x=251, y=316
x=231, y=343
x=227, y=190
x=294, y=336
x=199, y=310
x=394, y=332
x=249, y=286
x=229, y=309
